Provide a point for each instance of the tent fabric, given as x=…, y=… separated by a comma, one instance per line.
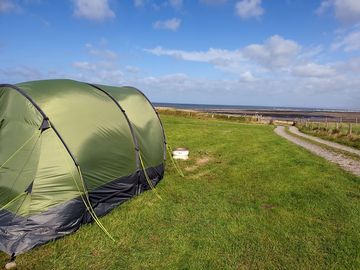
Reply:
x=53, y=132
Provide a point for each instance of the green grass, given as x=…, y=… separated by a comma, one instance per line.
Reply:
x=259, y=203
x=212, y=116
x=332, y=132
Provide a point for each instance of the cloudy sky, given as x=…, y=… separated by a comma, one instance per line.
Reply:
x=239, y=52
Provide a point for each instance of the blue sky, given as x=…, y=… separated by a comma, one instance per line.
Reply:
x=242, y=52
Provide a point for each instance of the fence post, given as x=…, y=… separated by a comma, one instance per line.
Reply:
x=350, y=129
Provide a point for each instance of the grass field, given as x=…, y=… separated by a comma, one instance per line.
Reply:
x=334, y=132
x=250, y=200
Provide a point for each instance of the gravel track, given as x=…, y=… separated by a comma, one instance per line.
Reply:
x=296, y=131
x=344, y=162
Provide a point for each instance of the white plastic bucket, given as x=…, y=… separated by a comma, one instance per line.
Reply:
x=180, y=153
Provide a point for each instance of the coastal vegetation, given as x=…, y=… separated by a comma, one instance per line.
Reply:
x=249, y=200
x=239, y=118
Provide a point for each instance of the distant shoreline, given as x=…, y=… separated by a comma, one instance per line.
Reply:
x=274, y=113
x=248, y=107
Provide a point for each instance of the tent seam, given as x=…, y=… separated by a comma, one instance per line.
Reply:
x=157, y=114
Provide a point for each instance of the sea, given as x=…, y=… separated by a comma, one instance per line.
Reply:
x=210, y=107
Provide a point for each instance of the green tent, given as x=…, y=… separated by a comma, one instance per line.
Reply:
x=69, y=152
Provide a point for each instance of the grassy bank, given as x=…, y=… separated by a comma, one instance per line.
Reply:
x=250, y=200
x=217, y=116
x=334, y=132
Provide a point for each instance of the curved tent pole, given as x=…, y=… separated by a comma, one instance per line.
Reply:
x=43, y=114
x=157, y=114
x=136, y=143
x=26, y=95
x=64, y=143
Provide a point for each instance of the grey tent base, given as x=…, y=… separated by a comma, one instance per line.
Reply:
x=20, y=234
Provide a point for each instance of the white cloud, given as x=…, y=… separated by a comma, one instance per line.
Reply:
x=314, y=70
x=278, y=68
x=213, y=2
x=276, y=52
x=278, y=59
x=231, y=61
x=249, y=8
x=19, y=6
x=350, y=67
x=97, y=10
x=102, y=65
x=20, y=73
x=177, y=4
x=247, y=76
x=347, y=11
x=105, y=54
x=324, y=6
x=312, y=52
x=97, y=73
x=213, y=56
x=139, y=3
x=115, y=76
x=171, y=24
x=176, y=78
x=132, y=69
x=8, y=6
x=84, y=65
x=350, y=42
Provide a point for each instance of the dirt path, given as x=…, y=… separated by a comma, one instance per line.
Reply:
x=344, y=162
x=296, y=131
